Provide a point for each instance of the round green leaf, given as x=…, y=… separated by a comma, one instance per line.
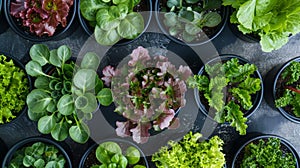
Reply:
x=38, y=100
x=81, y=102
x=212, y=19
x=106, y=37
x=90, y=61
x=79, y=133
x=131, y=26
x=46, y=124
x=54, y=60
x=60, y=131
x=170, y=19
x=192, y=29
x=133, y=155
x=85, y=79
x=65, y=105
x=105, y=97
x=90, y=8
x=91, y=103
x=188, y=37
x=33, y=68
x=64, y=53
x=42, y=82
x=28, y=161
x=35, y=116
x=40, y=53
x=40, y=163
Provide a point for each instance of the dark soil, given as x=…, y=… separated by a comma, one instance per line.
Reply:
x=207, y=32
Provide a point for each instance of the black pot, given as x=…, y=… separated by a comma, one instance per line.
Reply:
x=90, y=30
x=284, y=144
x=3, y=150
x=270, y=92
x=3, y=22
x=219, y=28
x=60, y=33
x=258, y=97
x=123, y=144
x=30, y=141
x=20, y=65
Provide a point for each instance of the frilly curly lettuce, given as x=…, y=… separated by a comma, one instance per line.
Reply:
x=14, y=88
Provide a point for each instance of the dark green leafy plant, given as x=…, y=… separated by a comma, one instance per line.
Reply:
x=289, y=89
x=112, y=19
x=14, y=87
x=38, y=155
x=267, y=153
x=61, y=102
x=190, y=152
x=273, y=20
x=228, y=88
x=109, y=154
x=186, y=18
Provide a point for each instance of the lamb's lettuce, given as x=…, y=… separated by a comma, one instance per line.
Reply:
x=273, y=20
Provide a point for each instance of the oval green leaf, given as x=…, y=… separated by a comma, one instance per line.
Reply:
x=80, y=133
x=40, y=53
x=42, y=82
x=85, y=79
x=64, y=53
x=66, y=105
x=38, y=100
x=46, y=124
x=91, y=103
x=105, y=97
x=90, y=61
x=212, y=19
x=60, y=131
x=54, y=60
x=131, y=26
x=33, y=68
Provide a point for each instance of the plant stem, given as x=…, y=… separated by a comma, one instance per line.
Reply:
x=292, y=89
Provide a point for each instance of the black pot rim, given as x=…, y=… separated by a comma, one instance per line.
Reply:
x=90, y=33
x=283, y=141
x=259, y=95
x=23, y=142
x=220, y=29
x=20, y=65
x=117, y=140
x=35, y=38
x=281, y=110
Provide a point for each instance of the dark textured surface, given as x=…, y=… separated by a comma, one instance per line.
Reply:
x=265, y=120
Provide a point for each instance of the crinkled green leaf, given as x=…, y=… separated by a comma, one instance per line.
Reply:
x=252, y=85
x=106, y=37
x=243, y=96
x=190, y=152
x=236, y=117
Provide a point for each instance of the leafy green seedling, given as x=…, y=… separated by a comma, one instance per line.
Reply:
x=228, y=87
x=38, y=155
x=109, y=154
x=62, y=101
x=114, y=19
